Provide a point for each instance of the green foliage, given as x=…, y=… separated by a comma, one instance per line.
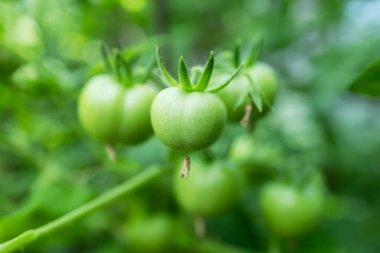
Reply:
x=368, y=82
x=50, y=166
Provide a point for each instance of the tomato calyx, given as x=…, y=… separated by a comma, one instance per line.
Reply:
x=201, y=82
x=253, y=97
x=121, y=67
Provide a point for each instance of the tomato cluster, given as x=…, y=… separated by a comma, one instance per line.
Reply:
x=116, y=114
x=185, y=117
x=190, y=115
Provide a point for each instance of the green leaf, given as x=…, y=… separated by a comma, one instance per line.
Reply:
x=105, y=55
x=236, y=59
x=123, y=69
x=163, y=70
x=368, y=82
x=205, y=78
x=184, y=78
x=255, y=94
x=148, y=70
x=228, y=80
x=255, y=51
x=241, y=100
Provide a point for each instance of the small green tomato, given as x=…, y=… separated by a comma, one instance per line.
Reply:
x=266, y=80
x=211, y=189
x=290, y=211
x=232, y=94
x=115, y=114
x=256, y=82
x=187, y=120
x=152, y=233
x=188, y=117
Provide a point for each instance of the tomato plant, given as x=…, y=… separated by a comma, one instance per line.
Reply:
x=252, y=93
x=211, y=190
x=292, y=96
x=115, y=113
x=232, y=95
x=188, y=117
x=290, y=210
x=266, y=81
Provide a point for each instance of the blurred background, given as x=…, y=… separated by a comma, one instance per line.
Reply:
x=49, y=166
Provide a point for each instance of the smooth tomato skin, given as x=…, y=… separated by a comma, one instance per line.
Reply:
x=289, y=211
x=151, y=233
x=209, y=190
x=114, y=114
x=187, y=121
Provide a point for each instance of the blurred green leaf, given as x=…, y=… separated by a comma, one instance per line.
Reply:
x=368, y=82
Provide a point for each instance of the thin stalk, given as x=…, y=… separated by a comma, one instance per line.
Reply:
x=113, y=194
x=207, y=246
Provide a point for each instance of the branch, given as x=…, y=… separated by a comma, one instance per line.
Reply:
x=115, y=193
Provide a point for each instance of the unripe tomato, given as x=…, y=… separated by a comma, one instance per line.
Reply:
x=150, y=233
x=266, y=79
x=290, y=211
x=231, y=94
x=187, y=120
x=256, y=154
x=210, y=190
x=114, y=114
x=266, y=85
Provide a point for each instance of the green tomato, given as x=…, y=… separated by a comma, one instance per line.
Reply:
x=256, y=154
x=150, y=233
x=114, y=114
x=266, y=80
x=187, y=121
x=290, y=211
x=210, y=189
x=231, y=94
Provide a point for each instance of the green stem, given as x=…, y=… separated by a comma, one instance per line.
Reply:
x=206, y=246
x=101, y=201
x=274, y=244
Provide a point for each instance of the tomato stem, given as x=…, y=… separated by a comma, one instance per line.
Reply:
x=246, y=120
x=111, y=152
x=200, y=227
x=274, y=244
x=185, y=167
